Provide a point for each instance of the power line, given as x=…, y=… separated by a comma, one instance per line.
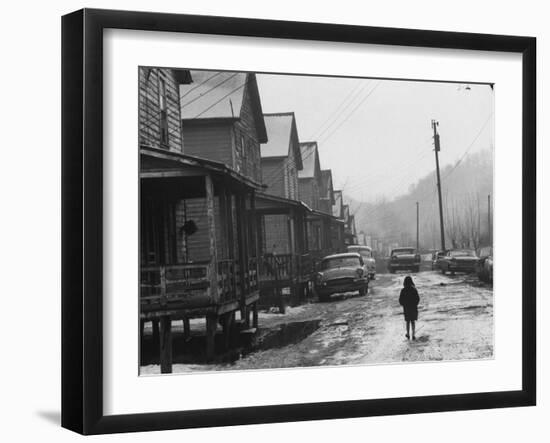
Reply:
x=372, y=178
x=200, y=84
x=424, y=195
x=470, y=146
x=402, y=166
x=334, y=115
x=222, y=98
x=156, y=114
x=175, y=130
x=208, y=91
x=281, y=169
x=324, y=139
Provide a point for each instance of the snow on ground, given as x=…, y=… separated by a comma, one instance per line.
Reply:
x=455, y=323
x=265, y=318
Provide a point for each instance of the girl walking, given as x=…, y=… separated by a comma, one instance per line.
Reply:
x=409, y=299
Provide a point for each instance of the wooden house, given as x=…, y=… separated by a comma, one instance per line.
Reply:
x=316, y=193
x=333, y=226
x=281, y=159
x=309, y=177
x=179, y=282
x=222, y=120
x=309, y=180
x=198, y=238
x=326, y=192
x=350, y=232
x=338, y=206
x=284, y=263
x=159, y=107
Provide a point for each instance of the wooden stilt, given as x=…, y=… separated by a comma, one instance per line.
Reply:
x=211, y=325
x=228, y=322
x=186, y=329
x=165, y=345
x=255, y=315
x=155, y=331
x=246, y=317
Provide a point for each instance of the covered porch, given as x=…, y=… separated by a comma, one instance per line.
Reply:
x=326, y=235
x=285, y=266
x=198, y=248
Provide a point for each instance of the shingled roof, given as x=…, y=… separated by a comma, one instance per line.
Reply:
x=282, y=136
x=337, y=207
x=310, y=160
x=326, y=185
x=220, y=95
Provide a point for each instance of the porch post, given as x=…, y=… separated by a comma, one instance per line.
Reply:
x=292, y=232
x=211, y=217
x=306, y=234
x=165, y=344
x=241, y=241
x=299, y=222
x=255, y=232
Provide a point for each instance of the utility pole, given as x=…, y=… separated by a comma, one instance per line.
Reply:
x=435, y=124
x=489, y=230
x=417, y=228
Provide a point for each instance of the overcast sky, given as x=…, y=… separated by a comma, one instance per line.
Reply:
x=376, y=135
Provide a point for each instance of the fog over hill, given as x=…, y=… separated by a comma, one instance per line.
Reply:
x=466, y=186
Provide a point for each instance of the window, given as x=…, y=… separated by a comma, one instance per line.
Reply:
x=163, y=124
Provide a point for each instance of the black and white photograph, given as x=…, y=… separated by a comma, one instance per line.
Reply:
x=298, y=221
x=275, y=221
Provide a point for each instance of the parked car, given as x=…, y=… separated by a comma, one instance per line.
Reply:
x=459, y=260
x=341, y=273
x=485, y=264
x=437, y=256
x=368, y=259
x=404, y=259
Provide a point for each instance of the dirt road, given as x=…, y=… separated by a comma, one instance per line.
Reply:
x=455, y=323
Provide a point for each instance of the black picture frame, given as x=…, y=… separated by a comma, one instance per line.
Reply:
x=82, y=216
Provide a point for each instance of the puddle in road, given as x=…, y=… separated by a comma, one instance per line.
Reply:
x=285, y=334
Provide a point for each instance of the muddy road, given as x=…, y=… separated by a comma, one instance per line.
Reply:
x=455, y=323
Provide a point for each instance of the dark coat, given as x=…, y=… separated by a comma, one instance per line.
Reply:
x=409, y=299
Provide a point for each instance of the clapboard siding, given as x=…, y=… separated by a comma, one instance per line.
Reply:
x=208, y=140
x=281, y=177
x=315, y=236
x=248, y=156
x=309, y=192
x=149, y=109
x=277, y=234
x=232, y=139
x=292, y=173
x=197, y=244
x=325, y=205
x=272, y=176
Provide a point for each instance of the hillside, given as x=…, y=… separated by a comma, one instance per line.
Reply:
x=465, y=189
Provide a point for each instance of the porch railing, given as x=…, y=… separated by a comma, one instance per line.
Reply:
x=162, y=287
x=278, y=267
x=226, y=280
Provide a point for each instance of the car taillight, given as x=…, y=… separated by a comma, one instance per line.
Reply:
x=359, y=272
